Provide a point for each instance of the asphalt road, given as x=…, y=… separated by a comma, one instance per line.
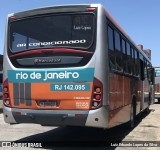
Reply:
x=147, y=129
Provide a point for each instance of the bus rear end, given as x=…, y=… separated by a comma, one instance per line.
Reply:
x=157, y=83
x=49, y=67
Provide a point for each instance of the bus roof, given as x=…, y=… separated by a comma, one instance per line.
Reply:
x=56, y=7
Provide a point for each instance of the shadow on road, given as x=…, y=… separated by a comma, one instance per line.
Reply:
x=1, y=110
x=68, y=137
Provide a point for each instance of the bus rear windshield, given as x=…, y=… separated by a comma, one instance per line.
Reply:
x=73, y=31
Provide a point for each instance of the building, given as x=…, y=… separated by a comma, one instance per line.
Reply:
x=146, y=51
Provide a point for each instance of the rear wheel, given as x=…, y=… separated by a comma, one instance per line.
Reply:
x=133, y=115
x=149, y=103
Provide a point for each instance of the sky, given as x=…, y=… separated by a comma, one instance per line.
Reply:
x=139, y=18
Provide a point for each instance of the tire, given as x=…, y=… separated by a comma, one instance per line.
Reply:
x=150, y=100
x=147, y=110
x=133, y=115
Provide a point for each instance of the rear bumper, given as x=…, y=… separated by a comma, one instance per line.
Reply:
x=45, y=117
x=91, y=118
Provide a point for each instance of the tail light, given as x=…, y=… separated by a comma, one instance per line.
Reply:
x=12, y=17
x=97, y=94
x=6, y=99
x=91, y=8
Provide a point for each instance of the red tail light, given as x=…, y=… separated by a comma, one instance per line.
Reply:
x=6, y=95
x=91, y=9
x=6, y=99
x=97, y=94
x=12, y=17
x=98, y=97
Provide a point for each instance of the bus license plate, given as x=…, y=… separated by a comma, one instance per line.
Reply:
x=47, y=103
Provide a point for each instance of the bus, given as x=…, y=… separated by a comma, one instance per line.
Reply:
x=157, y=83
x=73, y=65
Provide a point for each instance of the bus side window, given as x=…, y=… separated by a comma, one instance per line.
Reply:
x=142, y=67
x=118, y=53
x=129, y=67
x=124, y=55
x=136, y=63
x=146, y=68
x=133, y=61
x=117, y=41
x=111, y=49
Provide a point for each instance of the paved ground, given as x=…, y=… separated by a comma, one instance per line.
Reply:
x=147, y=129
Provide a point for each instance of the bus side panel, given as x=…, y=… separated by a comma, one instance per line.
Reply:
x=119, y=99
x=122, y=90
x=115, y=91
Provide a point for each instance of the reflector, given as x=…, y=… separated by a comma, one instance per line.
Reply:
x=98, y=97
